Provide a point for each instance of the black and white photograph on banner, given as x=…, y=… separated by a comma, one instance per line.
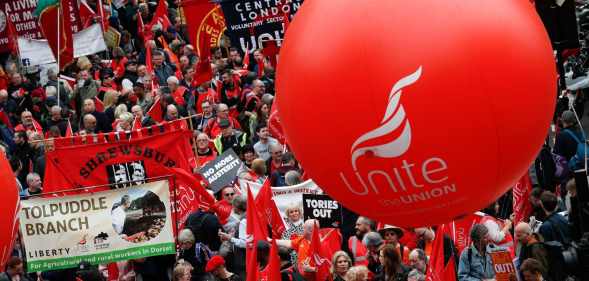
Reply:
x=291, y=140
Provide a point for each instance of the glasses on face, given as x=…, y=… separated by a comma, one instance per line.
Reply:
x=228, y=194
x=202, y=140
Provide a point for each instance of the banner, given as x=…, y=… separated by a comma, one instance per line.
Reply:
x=252, y=22
x=322, y=208
x=284, y=196
x=98, y=227
x=503, y=265
x=205, y=23
x=37, y=52
x=21, y=13
x=120, y=160
x=222, y=171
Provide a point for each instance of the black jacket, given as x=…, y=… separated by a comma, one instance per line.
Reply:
x=207, y=231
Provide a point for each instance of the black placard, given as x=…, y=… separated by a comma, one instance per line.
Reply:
x=322, y=208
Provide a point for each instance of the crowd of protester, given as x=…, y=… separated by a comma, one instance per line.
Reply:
x=232, y=111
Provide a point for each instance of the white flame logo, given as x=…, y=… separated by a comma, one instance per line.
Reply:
x=388, y=124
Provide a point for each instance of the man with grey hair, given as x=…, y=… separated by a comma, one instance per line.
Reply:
x=34, y=185
x=475, y=261
x=213, y=129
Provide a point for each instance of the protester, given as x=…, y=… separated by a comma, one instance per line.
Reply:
x=391, y=234
x=182, y=271
x=418, y=260
x=392, y=268
x=357, y=248
x=340, y=264
x=532, y=270
x=475, y=262
x=14, y=270
x=216, y=265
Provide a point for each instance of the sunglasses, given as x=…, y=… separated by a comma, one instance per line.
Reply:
x=228, y=194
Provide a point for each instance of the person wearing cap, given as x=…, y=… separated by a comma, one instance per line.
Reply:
x=230, y=138
x=475, y=262
x=569, y=137
x=216, y=266
x=391, y=235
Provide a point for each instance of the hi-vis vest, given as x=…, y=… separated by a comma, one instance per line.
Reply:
x=241, y=139
x=359, y=251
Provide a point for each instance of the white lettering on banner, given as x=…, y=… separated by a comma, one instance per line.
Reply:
x=223, y=170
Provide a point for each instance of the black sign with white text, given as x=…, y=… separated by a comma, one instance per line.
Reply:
x=251, y=22
x=322, y=208
x=221, y=171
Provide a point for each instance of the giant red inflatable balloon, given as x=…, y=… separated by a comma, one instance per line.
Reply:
x=416, y=112
x=9, y=205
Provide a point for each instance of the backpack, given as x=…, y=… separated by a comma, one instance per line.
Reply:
x=579, y=157
x=557, y=267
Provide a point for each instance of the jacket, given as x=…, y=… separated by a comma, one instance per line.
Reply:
x=556, y=228
x=476, y=267
x=236, y=141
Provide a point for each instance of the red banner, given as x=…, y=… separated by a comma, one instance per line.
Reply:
x=522, y=207
x=117, y=161
x=21, y=13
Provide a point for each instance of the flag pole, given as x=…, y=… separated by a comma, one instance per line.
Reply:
x=58, y=51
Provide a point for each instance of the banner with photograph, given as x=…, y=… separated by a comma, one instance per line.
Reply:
x=99, y=228
x=251, y=22
x=284, y=196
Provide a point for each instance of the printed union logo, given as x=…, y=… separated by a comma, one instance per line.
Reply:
x=393, y=119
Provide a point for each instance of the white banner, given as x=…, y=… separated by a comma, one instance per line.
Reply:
x=86, y=42
x=99, y=227
x=284, y=196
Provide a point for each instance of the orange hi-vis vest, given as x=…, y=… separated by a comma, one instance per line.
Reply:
x=359, y=251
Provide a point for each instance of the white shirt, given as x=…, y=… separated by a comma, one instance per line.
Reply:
x=263, y=149
x=118, y=219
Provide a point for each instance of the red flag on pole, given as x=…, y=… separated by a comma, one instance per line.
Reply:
x=98, y=104
x=255, y=232
x=522, y=207
x=275, y=127
x=317, y=260
x=103, y=19
x=68, y=131
x=268, y=211
x=161, y=15
x=86, y=14
x=136, y=123
x=173, y=58
x=148, y=63
x=437, y=269
x=155, y=112
x=273, y=268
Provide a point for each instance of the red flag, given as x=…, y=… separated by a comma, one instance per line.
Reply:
x=155, y=112
x=246, y=59
x=260, y=63
x=87, y=15
x=285, y=21
x=113, y=271
x=140, y=26
x=437, y=269
x=275, y=127
x=331, y=241
x=103, y=19
x=53, y=22
x=98, y=104
x=161, y=16
x=68, y=131
x=522, y=207
x=317, y=260
x=136, y=124
x=11, y=34
x=270, y=51
x=255, y=232
x=273, y=267
x=268, y=211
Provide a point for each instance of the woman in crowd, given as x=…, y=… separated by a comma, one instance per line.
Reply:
x=392, y=268
x=294, y=220
x=111, y=98
x=340, y=264
x=125, y=122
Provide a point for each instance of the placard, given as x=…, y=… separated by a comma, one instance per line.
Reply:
x=98, y=227
x=221, y=171
x=503, y=265
x=322, y=208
